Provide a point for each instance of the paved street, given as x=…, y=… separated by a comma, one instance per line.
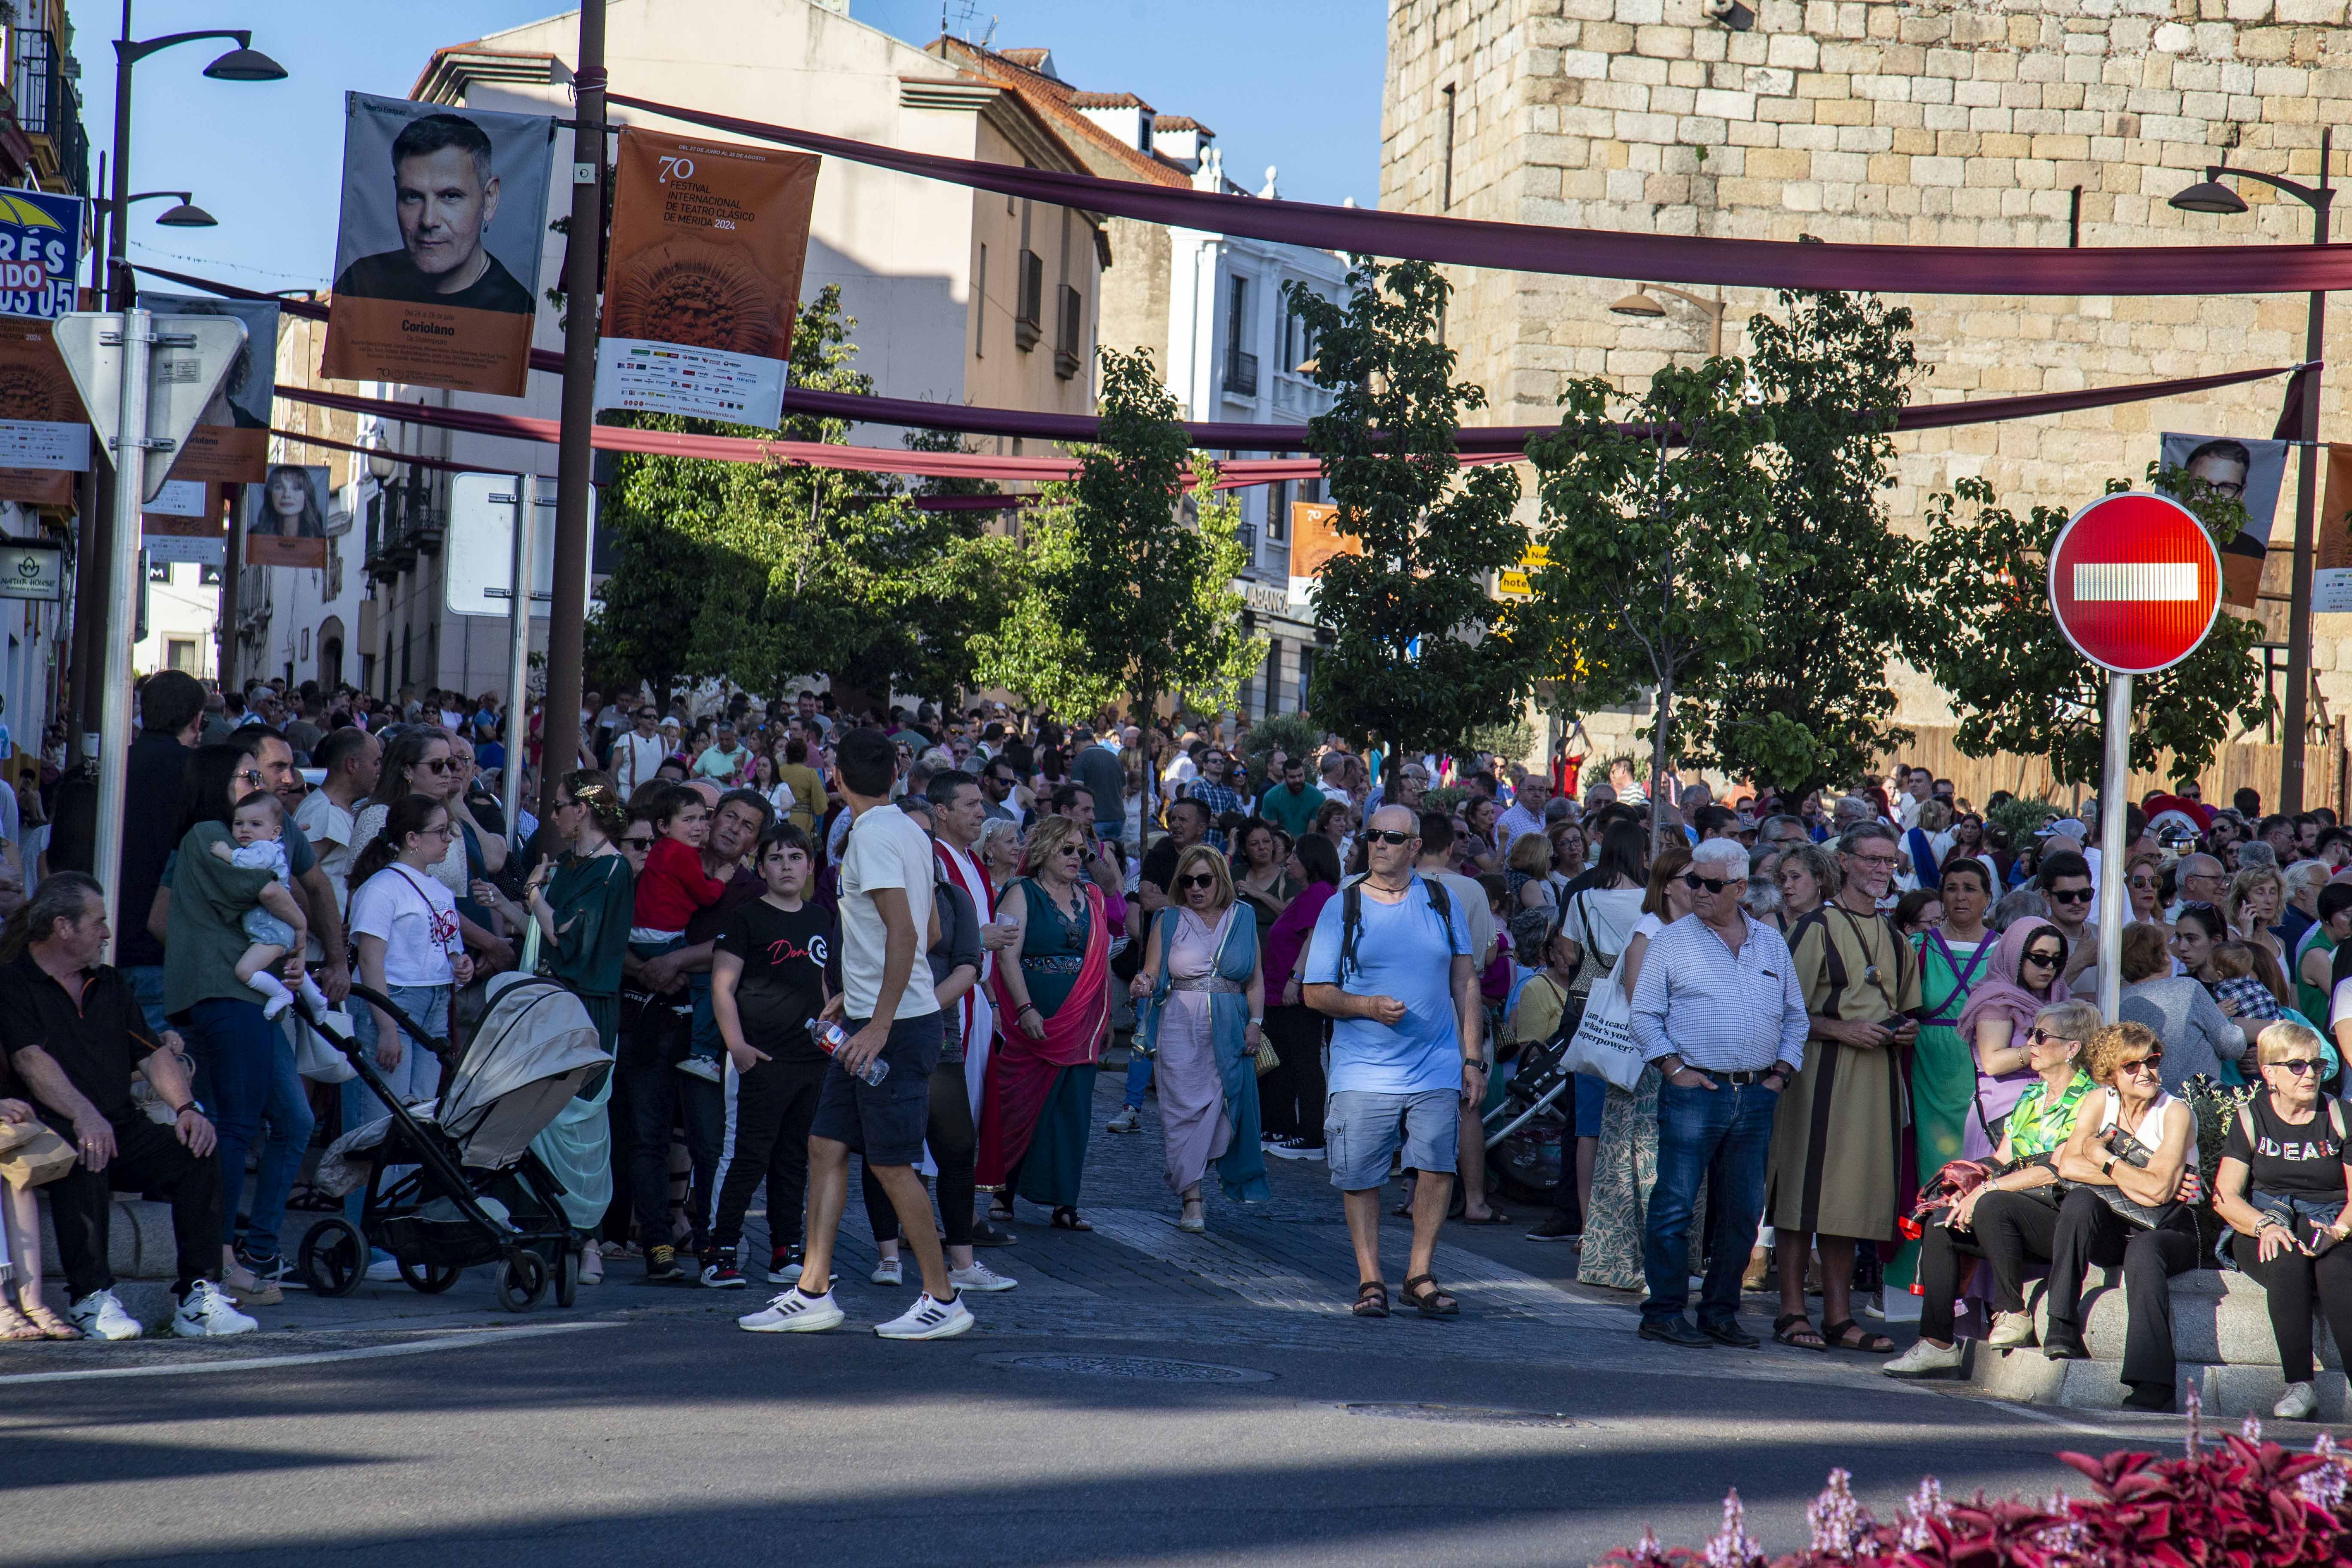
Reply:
x=1144, y=1394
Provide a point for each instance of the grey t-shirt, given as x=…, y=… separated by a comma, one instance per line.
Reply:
x=959, y=945
x=2198, y=1036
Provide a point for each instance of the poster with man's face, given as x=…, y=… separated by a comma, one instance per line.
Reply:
x=230, y=444
x=286, y=516
x=2249, y=471
x=436, y=259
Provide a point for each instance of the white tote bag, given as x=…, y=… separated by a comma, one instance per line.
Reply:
x=316, y=1059
x=1603, y=1047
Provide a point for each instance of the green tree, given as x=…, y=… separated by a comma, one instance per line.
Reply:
x=1420, y=652
x=1810, y=705
x=1658, y=538
x=1983, y=629
x=1127, y=585
x=756, y=573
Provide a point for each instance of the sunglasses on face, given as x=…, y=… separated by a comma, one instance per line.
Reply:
x=2147, y=1064
x=638, y=841
x=437, y=765
x=2043, y=1036
x=2299, y=1065
x=2078, y=896
x=1694, y=882
x=1198, y=880
x=2042, y=956
x=1388, y=836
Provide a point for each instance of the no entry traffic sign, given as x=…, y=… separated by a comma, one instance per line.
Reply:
x=2134, y=583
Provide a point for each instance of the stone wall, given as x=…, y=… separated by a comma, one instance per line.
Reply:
x=1922, y=123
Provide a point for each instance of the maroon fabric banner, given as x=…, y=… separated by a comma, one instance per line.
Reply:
x=1608, y=253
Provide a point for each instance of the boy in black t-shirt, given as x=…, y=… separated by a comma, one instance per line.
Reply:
x=770, y=974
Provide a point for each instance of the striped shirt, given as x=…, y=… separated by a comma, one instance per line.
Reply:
x=1720, y=1011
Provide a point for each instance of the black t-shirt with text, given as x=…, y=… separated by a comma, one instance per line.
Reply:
x=2305, y=1161
x=785, y=955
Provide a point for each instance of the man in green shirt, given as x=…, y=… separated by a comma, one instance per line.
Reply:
x=725, y=760
x=1291, y=805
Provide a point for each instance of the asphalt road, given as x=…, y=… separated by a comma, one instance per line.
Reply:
x=642, y=1427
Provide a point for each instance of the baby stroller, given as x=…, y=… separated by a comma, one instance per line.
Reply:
x=1532, y=1130
x=455, y=1184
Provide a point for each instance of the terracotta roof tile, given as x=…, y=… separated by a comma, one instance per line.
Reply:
x=1182, y=122
x=1107, y=101
x=1057, y=103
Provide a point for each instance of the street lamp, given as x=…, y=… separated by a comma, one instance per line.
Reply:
x=2211, y=196
x=185, y=215
x=1640, y=306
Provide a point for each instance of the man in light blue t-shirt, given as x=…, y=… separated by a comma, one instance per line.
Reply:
x=1407, y=1047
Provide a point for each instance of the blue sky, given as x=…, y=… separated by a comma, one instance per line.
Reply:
x=1295, y=83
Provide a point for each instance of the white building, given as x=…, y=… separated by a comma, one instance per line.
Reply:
x=183, y=621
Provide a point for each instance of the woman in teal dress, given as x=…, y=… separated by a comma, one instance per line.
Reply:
x=1053, y=1008
x=1952, y=956
x=581, y=904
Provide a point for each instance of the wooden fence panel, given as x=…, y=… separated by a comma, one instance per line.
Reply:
x=2235, y=767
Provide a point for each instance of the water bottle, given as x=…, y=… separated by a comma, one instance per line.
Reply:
x=830, y=1037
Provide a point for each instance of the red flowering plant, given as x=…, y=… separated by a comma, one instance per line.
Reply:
x=2240, y=1503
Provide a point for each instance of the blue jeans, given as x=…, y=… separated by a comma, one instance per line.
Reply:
x=237, y=1062
x=418, y=1076
x=287, y=1116
x=147, y=986
x=1139, y=1076
x=1722, y=1136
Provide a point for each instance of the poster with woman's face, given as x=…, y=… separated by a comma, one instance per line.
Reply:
x=286, y=516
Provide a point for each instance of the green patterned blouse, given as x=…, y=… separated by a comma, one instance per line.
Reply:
x=2039, y=1124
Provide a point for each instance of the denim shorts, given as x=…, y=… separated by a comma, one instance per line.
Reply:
x=1362, y=1130
x=1592, y=1099
x=885, y=1122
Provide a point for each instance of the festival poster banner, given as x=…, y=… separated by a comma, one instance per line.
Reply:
x=437, y=257
x=2331, y=577
x=45, y=435
x=1315, y=538
x=286, y=516
x=230, y=444
x=2252, y=472
x=40, y=254
x=703, y=279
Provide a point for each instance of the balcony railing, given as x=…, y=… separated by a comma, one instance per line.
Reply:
x=48, y=102
x=401, y=526
x=1241, y=373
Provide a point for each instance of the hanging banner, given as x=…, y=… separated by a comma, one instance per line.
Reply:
x=230, y=444
x=437, y=257
x=286, y=516
x=40, y=254
x=44, y=430
x=1315, y=538
x=2252, y=471
x=2331, y=577
x=703, y=283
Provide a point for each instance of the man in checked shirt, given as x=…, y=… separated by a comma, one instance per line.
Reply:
x=1717, y=1007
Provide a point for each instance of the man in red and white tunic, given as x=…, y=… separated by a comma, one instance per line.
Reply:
x=959, y=809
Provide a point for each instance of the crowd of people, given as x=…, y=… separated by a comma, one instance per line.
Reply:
x=805, y=934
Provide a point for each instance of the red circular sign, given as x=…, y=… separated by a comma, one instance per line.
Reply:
x=2135, y=582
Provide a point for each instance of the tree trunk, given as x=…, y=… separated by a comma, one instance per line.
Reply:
x=1661, y=716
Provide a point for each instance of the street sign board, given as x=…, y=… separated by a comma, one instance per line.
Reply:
x=32, y=570
x=190, y=356
x=477, y=558
x=2134, y=583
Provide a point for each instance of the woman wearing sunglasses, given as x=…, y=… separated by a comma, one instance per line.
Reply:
x=1206, y=991
x=2037, y=1125
x=2131, y=1168
x=2198, y=1037
x=2020, y=977
x=2281, y=1187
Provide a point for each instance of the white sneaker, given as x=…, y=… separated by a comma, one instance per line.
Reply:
x=890, y=1271
x=100, y=1316
x=1925, y=1360
x=979, y=1276
x=702, y=1067
x=2299, y=1402
x=1128, y=1120
x=2010, y=1330
x=793, y=1313
x=929, y=1319
x=205, y=1314
x=592, y=1265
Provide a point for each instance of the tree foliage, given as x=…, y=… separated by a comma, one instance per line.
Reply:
x=1128, y=590
x=1983, y=629
x=758, y=573
x=1420, y=652
x=1809, y=704
x=1659, y=538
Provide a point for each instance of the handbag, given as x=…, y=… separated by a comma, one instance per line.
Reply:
x=1603, y=1045
x=2147, y=1216
x=317, y=1057
x=1266, y=1058
x=32, y=1154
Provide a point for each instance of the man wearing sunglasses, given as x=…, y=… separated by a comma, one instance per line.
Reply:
x=1407, y=1047
x=2065, y=882
x=1717, y=1007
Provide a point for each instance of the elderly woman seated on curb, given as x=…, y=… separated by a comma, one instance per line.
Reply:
x=2282, y=1188
x=1995, y=1220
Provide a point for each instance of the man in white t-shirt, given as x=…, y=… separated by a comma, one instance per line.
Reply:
x=638, y=756
x=893, y=1017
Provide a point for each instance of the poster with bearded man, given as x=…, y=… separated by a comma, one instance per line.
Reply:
x=437, y=257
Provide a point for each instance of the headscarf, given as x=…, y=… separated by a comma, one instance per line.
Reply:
x=2000, y=995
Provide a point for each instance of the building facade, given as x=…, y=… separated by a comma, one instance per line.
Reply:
x=2039, y=122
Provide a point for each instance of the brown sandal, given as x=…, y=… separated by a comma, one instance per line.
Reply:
x=52, y=1327
x=1429, y=1301
x=1371, y=1300
x=1849, y=1335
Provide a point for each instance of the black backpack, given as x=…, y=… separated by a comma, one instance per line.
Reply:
x=1351, y=919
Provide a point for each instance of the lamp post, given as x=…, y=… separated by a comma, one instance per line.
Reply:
x=1638, y=305
x=2211, y=196
x=95, y=544
x=185, y=215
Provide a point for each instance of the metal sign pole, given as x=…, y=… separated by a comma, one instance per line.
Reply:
x=137, y=334
x=518, y=588
x=2113, y=784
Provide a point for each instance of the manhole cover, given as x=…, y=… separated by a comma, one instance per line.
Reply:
x=1469, y=1415
x=1151, y=1367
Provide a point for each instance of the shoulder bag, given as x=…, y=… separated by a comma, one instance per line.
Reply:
x=1602, y=1046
